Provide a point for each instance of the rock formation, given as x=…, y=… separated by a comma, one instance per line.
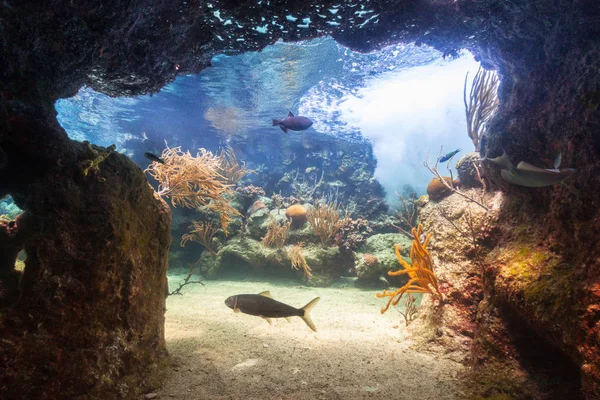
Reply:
x=91, y=303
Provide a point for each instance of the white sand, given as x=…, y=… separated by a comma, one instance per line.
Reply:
x=357, y=353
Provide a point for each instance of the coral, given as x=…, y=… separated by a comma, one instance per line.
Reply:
x=368, y=267
x=194, y=182
x=297, y=213
x=469, y=173
x=353, y=233
x=230, y=168
x=420, y=271
x=407, y=212
x=326, y=220
x=298, y=260
x=276, y=233
x=203, y=233
x=437, y=190
x=250, y=192
x=482, y=104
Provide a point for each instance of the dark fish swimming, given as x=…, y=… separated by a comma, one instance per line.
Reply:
x=154, y=157
x=293, y=123
x=264, y=306
x=449, y=155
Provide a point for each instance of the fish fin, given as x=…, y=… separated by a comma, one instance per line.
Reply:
x=290, y=114
x=266, y=293
x=268, y=320
x=283, y=128
x=275, y=122
x=525, y=166
x=557, y=160
x=288, y=319
x=306, y=317
x=236, y=310
x=502, y=161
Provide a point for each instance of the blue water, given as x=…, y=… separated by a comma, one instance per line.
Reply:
x=234, y=101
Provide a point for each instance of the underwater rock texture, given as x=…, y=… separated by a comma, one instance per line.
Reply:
x=547, y=55
x=89, y=320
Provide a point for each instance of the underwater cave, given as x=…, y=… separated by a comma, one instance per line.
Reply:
x=424, y=170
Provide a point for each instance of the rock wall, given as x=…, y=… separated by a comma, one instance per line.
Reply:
x=85, y=319
x=83, y=287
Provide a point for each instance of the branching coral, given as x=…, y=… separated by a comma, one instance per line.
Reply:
x=326, y=220
x=407, y=212
x=276, y=233
x=203, y=233
x=450, y=183
x=420, y=271
x=194, y=181
x=298, y=260
x=483, y=102
x=230, y=168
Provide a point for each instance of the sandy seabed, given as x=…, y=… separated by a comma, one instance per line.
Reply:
x=357, y=353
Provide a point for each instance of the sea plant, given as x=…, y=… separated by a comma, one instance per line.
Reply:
x=298, y=260
x=326, y=219
x=203, y=233
x=195, y=181
x=482, y=104
x=422, y=278
x=276, y=233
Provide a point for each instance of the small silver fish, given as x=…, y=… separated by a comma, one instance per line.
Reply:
x=525, y=174
x=293, y=123
x=264, y=306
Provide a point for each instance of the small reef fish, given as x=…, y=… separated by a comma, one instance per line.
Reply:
x=264, y=306
x=293, y=123
x=525, y=174
x=449, y=155
x=154, y=157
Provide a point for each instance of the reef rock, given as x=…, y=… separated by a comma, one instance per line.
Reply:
x=248, y=257
x=467, y=168
x=377, y=256
x=89, y=321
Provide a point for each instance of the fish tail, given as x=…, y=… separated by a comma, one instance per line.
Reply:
x=275, y=122
x=307, y=308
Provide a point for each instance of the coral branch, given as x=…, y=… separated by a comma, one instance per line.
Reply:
x=434, y=170
x=483, y=102
x=203, y=233
x=420, y=271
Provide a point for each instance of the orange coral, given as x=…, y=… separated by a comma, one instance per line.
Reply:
x=297, y=213
x=437, y=190
x=420, y=271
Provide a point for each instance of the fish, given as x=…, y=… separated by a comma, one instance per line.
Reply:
x=448, y=156
x=264, y=306
x=293, y=123
x=154, y=157
x=525, y=174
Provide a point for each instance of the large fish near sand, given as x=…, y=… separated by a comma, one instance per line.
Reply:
x=525, y=174
x=264, y=306
x=293, y=123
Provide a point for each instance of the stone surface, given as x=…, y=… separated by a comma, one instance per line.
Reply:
x=547, y=55
x=89, y=320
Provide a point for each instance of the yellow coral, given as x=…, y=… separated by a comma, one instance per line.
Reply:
x=298, y=260
x=420, y=271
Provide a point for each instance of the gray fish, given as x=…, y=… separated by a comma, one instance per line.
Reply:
x=293, y=123
x=262, y=305
x=525, y=174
